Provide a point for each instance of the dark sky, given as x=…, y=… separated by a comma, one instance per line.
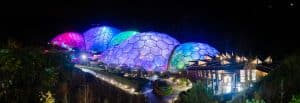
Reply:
x=263, y=27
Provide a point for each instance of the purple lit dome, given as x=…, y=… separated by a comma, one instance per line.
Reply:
x=149, y=50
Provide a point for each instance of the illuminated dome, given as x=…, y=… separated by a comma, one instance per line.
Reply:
x=189, y=51
x=121, y=37
x=149, y=50
x=98, y=38
x=69, y=40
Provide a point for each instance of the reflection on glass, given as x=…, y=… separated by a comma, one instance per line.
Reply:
x=248, y=75
x=239, y=87
x=242, y=76
x=228, y=81
x=253, y=73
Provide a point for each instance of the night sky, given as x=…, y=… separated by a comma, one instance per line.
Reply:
x=263, y=27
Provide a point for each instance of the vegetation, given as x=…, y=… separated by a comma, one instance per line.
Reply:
x=182, y=82
x=25, y=72
x=295, y=99
x=162, y=88
x=254, y=101
x=282, y=83
x=197, y=94
x=36, y=74
x=47, y=97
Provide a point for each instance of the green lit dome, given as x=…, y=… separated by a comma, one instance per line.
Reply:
x=121, y=37
x=189, y=51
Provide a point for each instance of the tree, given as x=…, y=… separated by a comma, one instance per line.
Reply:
x=26, y=71
x=12, y=43
x=295, y=99
x=282, y=82
x=47, y=97
x=198, y=94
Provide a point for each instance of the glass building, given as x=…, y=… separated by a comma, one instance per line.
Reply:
x=188, y=52
x=149, y=50
x=97, y=39
x=69, y=40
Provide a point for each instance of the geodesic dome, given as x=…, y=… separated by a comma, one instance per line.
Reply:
x=98, y=38
x=189, y=51
x=69, y=40
x=121, y=37
x=149, y=50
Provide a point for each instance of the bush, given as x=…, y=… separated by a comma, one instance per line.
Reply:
x=198, y=94
x=25, y=72
x=162, y=88
x=283, y=82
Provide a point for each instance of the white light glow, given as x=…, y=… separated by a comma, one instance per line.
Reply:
x=242, y=76
x=124, y=87
x=253, y=75
x=227, y=56
x=83, y=56
x=201, y=63
x=224, y=62
x=268, y=60
x=244, y=59
x=238, y=59
x=256, y=61
x=208, y=58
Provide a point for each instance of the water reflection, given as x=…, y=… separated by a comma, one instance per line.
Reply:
x=227, y=81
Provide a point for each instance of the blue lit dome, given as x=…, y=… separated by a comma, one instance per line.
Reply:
x=150, y=50
x=98, y=38
x=190, y=51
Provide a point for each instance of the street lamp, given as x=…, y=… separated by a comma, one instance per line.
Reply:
x=83, y=57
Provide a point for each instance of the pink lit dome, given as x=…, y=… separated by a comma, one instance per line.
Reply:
x=69, y=40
